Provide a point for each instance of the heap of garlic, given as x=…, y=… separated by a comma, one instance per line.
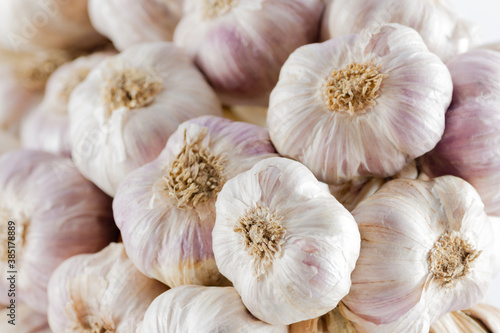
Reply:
x=436, y=21
x=166, y=209
x=240, y=45
x=426, y=250
x=203, y=309
x=287, y=245
x=132, y=22
x=123, y=113
x=101, y=292
x=360, y=105
x=48, y=212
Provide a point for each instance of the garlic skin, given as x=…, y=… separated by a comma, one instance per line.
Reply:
x=135, y=21
x=470, y=147
x=168, y=203
x=203, y=309
x=287, y=245
x=123, y=113
x=57, y=214
x=26, y=321
x=100, y=292
x=488, y=315
x=240, y=45
x=332, y=322
x=430, y=245
x=8, y=142
x=395, y=114
x=443, y=31
x=47, y=127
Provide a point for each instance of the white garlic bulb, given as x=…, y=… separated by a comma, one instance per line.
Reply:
x=287, y=245
x=48, y=212
x=240, y=45
x=166, y=209
x=100, y=292
x=360, y=105
x=440, y=26
x=123, y=113
x=429, y=247
x=470, y=147
x=47, y=127
x=132, y=22
x=20, y=318
x=203, y=309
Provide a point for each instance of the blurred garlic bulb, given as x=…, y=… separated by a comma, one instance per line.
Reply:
x=123, y=113
x=132, y=22
x=25, y=320
x=487, y=315
x=360, y=105
x=240, y=45
x=100, y=292
x=47, y=127
x=8, y=142
x=166, y=209
x=456, y=322
x=470, y=147
x=284, y=242
x=50, y=24
x=54, y=214
x=332, y=322
x=251, y=114
x=440, y=26
x=203, y=309
x=428, y=245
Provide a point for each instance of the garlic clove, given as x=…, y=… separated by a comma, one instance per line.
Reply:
x=284, y=242
x=203, y=309
x=23, y=319
x=395, y=115
x=123, y=113
x=100, y=292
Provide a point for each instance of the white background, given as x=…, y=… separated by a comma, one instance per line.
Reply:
x=487, y=14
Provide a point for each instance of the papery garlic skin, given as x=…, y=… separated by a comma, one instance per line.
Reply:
x=240, y=45
x=429, y=247
x=312, y=242
x=332, y=322
x=399, y=116
x=470, y=147
x=56, y=214
x=488, y=315
x=203, y=309
x=167, y=202
x=100, y=292
x=47, y=127
x=443, y=31
x=129, y=23
x=123, y=113
x=25, y=320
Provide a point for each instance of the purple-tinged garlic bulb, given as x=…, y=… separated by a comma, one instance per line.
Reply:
x=48, y=212
x=100, y=292
x=240, y=45
x=440, y=26
x=132, y=22
x=19, y=318
x=470, y=147
x=123, y=113
x=360, y=105
x=426, y=249
x=166, y=209
x=203, y=309
x=47, y=127
x=287, y=245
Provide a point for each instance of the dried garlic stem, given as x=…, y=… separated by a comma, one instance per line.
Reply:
x=263, y=234
x=196, y=174
x=91, y=325
x=12, y=235
x=217, y=8
x=354, y=88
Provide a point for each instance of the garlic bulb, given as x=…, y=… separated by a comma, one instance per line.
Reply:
x=486, y=315
x=456, y=322
x=132, y=22
x=429, y=247
x=240, y=45
x=203, y=309
x=360, y=105
x=284, y=242
x=440, y=26
x=470, y=147
x=332, y=322
x=100, y=292
x=47, y=127
x=22, y=319
x=48, y=212
x=123, y=113
x=8, y=142
x=50, y=24
x=166, y=209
